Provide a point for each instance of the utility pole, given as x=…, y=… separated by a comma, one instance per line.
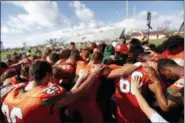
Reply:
x=134, y=11
x=148, y=23
x=127, y=9
x=1, y=43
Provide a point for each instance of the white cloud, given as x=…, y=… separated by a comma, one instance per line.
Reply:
x=46, y=14
x=181, y=14
x=157, y=21
x=4, y=29
x=86, y=16
x=38, y=13
x=82, y=12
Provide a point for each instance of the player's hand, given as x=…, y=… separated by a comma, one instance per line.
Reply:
x=135, y=84
x=83, y=74
x=97, y=68
x=152, y=74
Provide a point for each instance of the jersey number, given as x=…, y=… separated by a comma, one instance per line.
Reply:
x=13, y=114
x=51, y=90
x=125, y=86
x=66, y=67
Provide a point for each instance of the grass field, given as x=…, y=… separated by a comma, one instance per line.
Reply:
x=157, y=42
x=4, y=54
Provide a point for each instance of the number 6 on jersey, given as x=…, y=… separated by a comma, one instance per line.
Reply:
x=124, y=85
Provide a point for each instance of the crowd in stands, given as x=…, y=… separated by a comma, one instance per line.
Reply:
x=122, y=81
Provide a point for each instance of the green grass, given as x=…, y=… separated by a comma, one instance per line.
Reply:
x=4, y=54
x=157, y=42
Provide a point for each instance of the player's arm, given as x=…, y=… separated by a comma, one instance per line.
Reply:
x=82, y=75
x=7, y=74
x=126, y=70
x=7, y=82
x=57, y=63
x=77, y=92
x=4, y=90
x=150, y=113
x=157, y=88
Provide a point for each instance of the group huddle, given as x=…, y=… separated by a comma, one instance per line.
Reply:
x=124, y=81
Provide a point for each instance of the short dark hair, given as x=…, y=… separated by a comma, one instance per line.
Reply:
x=136, y=46
x=97, y=56
x=75, y=54
x=39, y=69
x=57, y=72
x=171, y=43
x=174, y=42
x=54, y=57
x=152, y=47
x=24, y=70
x=65, y=53
x=135, y=42
x=164, y=63
x=3, y=65
x=72, y=43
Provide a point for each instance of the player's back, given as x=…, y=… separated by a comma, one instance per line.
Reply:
x=92, y=93
x=31, y=107
x=127, y=107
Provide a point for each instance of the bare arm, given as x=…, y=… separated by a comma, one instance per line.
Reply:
x=7, y=82
x=124, y=71
x=82, y=75
x=144, y=105
x=4, y=90
x=157, y=88
x=162, y=100
x=75, y=93
x=150, y=113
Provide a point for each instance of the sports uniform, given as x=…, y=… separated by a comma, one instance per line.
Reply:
x=68, y=74
x=178, y=58
x=128, y=109
x=33, y=106
x=174, y=91
x=86, y=105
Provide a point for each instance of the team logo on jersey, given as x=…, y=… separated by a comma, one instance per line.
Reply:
x=51, y=90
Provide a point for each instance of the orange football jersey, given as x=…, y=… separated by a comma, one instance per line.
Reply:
x=128, y=109
x=167, y=54
x=33, y=106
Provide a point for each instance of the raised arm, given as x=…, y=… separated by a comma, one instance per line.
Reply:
x=77, y=92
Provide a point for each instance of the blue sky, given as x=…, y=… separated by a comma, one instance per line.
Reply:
x=46, y=19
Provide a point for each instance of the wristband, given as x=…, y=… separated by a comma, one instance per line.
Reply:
x=138, y=64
